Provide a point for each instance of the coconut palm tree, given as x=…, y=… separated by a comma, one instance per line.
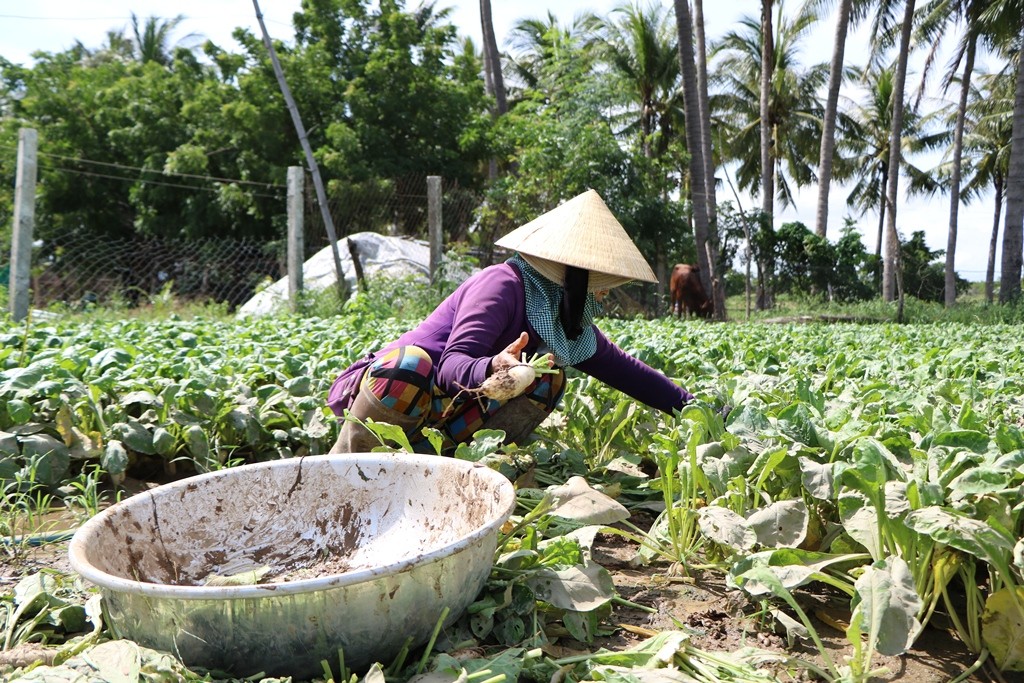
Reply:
x=701, y=52
x=792, y=117
x=767, y=143
x=937, y=17
x=707, y=249
x=640, y=46
x=1005, y=19
x=151, y=39
x=794, y=111
x=493, y=77
x=987, y=152
x=1013, y=239
x=865, y=151
x=844, y=17
x=494, y=80
x=546, y=57
x=883, y=29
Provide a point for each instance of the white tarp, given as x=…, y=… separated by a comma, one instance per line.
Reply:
x=393, y=256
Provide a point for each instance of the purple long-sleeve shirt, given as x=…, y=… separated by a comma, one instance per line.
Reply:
x=479, y=320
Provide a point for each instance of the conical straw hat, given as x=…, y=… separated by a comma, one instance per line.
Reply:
x=584, y=233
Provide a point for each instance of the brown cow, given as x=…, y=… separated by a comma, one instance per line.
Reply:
x=688, y=295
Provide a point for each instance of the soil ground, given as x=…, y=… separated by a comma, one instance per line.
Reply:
x=720, y=619
x=717, y=618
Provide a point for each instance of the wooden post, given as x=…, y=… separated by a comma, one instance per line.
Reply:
x=434, y=225
x=24, y=221
x=314, y=169
x=296, y=244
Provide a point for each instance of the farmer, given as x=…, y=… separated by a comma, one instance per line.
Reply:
x=543, y=300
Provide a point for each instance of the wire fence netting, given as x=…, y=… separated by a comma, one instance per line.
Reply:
x=77, y=268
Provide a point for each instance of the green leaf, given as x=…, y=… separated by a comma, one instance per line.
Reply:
x=1002, y=627
x=886, y=604
x=860, y=521
x=485, y=442
x=748, y=421
x=725, y=527
x=133, y=435
x=978, y=481
x=789, y=567
x=22, y=379
x=782, y=524
x=164, y=442
x=9, y=444
x=796, y=422
x=581, y=625
x=963, y=533
x=299, y=386
x=145, y=398
x=871, y=465
x=20, y=411
x=390, y=433
x=581, y=588
x=115, y=459
x=199, y=447
x=723, y=466
x=111, y=357
x=817, y=478
x=116, y=661
x=49, y=457
x=653, y=654
x=70, y=618
x=977, y=442
x=9, y=467
x=576, y=500
x=36, y=591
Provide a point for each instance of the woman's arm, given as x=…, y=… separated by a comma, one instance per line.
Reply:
x=486, y=319
x=633, y=377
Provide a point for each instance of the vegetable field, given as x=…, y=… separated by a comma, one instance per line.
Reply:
x=875, y=470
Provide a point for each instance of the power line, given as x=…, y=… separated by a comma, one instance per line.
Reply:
x=270, y=186
x=145, y=181
x=166, y=173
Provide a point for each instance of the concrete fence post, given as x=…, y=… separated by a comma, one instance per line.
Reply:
x=434, y=225
x=296, y=235
x=24, y=222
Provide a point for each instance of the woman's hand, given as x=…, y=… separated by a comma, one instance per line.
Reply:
x=510, y=355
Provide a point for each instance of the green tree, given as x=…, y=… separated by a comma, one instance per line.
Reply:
x=151, y=40
x=638, y=44
x=1005, y=19
x=939, y=16
x=546, y=57
x=884, y=25
x=987, y=150
x=794, y=111
x=864, y=147
x=923, y=275
x=794, y=114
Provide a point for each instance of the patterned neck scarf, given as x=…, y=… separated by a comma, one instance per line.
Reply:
x=543, y=298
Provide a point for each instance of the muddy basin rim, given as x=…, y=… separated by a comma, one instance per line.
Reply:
x=120, y=584
x=389, y=541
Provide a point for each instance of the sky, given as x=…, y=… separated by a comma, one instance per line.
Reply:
x=55, y=25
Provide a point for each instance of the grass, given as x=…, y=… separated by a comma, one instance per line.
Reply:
x=969, y=309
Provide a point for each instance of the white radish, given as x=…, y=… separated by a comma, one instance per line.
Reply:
x=509, y=382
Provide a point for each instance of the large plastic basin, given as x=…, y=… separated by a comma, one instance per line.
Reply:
x=406, y=536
